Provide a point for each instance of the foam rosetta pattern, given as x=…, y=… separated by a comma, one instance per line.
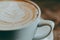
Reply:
x=14, y=13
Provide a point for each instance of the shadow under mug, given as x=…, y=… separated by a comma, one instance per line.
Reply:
x=28, y=33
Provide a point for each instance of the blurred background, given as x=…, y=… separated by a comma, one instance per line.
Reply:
x=51, y=11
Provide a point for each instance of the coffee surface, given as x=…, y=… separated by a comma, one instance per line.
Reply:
x=16, y=14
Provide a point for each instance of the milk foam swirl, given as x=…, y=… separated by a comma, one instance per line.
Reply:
x=13, y=13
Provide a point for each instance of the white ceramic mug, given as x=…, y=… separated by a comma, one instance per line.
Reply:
x=30, y=31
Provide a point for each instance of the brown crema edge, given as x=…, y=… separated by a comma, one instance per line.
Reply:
x=22, y=1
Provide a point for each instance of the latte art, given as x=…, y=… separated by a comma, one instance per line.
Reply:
x=14, y=13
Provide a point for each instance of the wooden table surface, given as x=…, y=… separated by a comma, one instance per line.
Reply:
x=57, y=33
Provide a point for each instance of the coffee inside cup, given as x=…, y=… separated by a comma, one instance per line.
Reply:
x=14, y=14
